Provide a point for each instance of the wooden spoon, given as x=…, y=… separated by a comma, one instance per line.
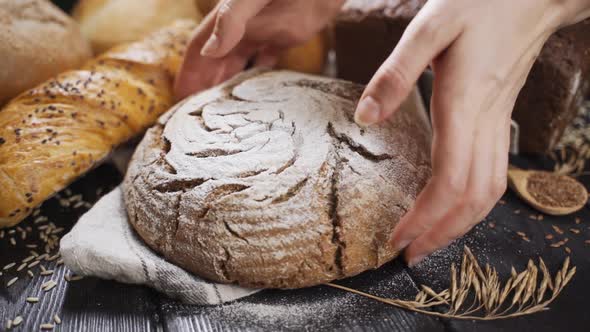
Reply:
x=548, y=192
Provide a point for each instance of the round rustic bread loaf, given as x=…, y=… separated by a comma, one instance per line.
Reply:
x=37, y=41
x=266, y=181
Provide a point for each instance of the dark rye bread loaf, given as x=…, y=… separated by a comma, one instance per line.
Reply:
x=555, y=89
x=367, y=31
x=266, y=181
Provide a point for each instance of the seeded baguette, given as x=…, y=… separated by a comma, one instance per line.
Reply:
x=57, y=131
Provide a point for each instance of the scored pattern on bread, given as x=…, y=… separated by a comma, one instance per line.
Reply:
x=266, y=181
x=57, y=131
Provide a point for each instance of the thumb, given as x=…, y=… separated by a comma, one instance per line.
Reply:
x=231, y=17
x=426, y=36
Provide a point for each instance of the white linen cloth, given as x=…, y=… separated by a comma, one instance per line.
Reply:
x=103, y=244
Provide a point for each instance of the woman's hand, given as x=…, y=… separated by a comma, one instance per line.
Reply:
x=238, y=31
x=481, y=53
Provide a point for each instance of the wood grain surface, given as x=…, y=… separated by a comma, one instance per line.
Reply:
x=92, y=304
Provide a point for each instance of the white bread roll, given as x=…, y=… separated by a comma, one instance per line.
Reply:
x=107, y=23
x=37, y=41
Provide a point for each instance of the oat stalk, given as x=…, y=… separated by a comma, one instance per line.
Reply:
x=476, y=293
x=572, y=159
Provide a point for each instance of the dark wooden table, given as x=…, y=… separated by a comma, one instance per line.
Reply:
x=92, y=304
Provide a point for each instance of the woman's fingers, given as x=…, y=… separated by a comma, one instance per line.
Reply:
x=486, y=184
x=200, y=72
x=231, y=17
x=452, y=156
x=222, y=30
x=426, y=36
x=486, y=178
x=191, y=77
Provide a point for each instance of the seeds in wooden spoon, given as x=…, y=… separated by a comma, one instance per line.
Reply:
x=553, y=190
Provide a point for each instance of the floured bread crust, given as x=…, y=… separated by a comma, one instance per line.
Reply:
x=266, y=181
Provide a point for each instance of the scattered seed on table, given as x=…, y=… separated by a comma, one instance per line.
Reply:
x=502, y=202
x=9, y=324
x=549, y=236
x=31, y=246
x=540, y=217
x=46, y=326
x=575, y=230
x=521, y=234
x=492, y=224
x=48, y=285
x=22, y=266
x=46, y=273
x=568, y=250
x=30, y=273
x=17, y=320
x=517, y=211
x=578, y=220
x=8, y=266
x=12, y=241
x=33, y=264
x=32, y=299
x=56, y=319
x=73, y=277
x=11, y=282
x=57, y=230
x=557, y=229
x=526, y=239
x=28, y=259
x=52, y=258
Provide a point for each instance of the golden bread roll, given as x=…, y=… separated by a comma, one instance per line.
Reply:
x=308, y=58
x=37, y=41
x=107, y=23
x=57, y=131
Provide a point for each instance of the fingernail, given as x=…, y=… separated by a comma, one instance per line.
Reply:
x=367, y=112
x=211, y=45
x=415, y=260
